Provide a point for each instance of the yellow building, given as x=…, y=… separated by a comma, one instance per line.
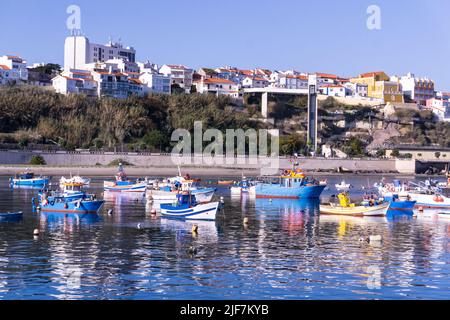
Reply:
x=379, y=86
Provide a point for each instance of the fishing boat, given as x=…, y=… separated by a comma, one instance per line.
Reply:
x=291, y=185
x=346, y=208
x=186, y=207
x=58, y=203
x=425, y=194
x=244, y=186
x=443, y=215
x=123, y=184
x=28, y=178
x=75, y=179
x=342, y=186
x=167, y=190
x=10, y=216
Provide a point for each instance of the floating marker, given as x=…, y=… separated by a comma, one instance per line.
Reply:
x=110, y=212
x=153, y=212
x=195, y=228
x=245, y=220
x=36, y=232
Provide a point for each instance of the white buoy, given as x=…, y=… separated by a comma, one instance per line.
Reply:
x=245, y=220
x=153, y=212
x=420, y=209
x=375, y=238
x=36, y=232
x=139, y=226
x=110, y=212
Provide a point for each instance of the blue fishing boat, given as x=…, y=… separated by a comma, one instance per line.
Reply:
x=292, y=185
x=186, y=207
x=10, y=216
x=58, y=203
x=28, y=179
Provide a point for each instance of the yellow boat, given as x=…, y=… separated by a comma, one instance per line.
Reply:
x=346, y=208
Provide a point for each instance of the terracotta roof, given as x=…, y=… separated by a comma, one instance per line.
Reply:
x=3, y=67
x=246, y=72
x=326, y=75
x=136, y=81
x=218, y=80
x=70, y=78
x=259, y=79
x=371, y=74
x=332, y=86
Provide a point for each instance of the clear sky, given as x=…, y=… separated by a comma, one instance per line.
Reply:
x=324, y=36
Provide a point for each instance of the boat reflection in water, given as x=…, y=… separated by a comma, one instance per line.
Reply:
x=287, y=206
x=69, y=222
x=123, y=203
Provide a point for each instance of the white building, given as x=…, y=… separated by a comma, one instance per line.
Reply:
x=117, y=84
x=255, y=82
x=334, y=90
x=75, y=81
x=155, y=82
x=218, y=86
x=417, y=89
x=288, y=81
x=357, y=89
x=13, y=69
x=78, y=52
x=440, y=107
x=179, y=74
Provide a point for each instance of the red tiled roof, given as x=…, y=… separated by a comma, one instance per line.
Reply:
x=370, y=74
x=3, y=67
x=326, y=75
x=136, y=81
x=218, y=80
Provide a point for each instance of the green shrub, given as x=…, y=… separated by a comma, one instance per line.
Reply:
x=116, y=162
x=37, y=161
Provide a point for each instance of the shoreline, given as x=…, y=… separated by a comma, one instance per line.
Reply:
x=217, y=172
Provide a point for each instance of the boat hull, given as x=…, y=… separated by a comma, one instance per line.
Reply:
x=361, y=211
x=277, y=191
x=30, y=182
x=405, y=206
x=113, y=187
x=11, y=216
x=201, y=195
x=205, y=211
x=79, y=207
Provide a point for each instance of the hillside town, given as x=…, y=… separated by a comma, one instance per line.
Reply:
x=112, y=70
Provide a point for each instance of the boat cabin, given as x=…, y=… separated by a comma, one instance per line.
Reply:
x=186, y=199
x=24, y=175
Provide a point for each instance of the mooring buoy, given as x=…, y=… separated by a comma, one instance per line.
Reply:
x=35, y=232
x=195, y=228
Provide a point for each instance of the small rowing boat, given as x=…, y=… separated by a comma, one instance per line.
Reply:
x=343, y=186
x=225, y=182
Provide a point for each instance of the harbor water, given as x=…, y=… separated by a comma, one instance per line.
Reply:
x=285, y=251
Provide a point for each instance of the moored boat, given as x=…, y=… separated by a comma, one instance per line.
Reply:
x=28, y=178
x=292, y=185
x=10, y=216
x=123, y=184
x=186, y=207
x=75, y=179
x=61, y=202
x=244, y=186
x=346, y=208
x=343, y=186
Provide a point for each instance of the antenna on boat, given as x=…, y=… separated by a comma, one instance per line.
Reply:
x=179, y=171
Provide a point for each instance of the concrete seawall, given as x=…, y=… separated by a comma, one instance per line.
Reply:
x=74, y=159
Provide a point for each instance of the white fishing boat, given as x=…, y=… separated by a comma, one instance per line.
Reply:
x=343, y=186
x=165, y=196
x=245, y=186
x=186, y=207
x=75, y=179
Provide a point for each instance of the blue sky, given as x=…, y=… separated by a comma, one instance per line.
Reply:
x=325, y=36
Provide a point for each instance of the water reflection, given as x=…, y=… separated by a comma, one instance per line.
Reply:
x=285, y=251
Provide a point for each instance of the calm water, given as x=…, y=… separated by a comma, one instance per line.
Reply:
x=287, y=251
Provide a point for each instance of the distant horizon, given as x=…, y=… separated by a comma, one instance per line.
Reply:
x=288, y=35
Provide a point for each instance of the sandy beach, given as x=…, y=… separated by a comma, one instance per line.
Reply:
x=131, y=171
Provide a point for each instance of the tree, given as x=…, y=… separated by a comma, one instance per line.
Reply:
x=176, y=89
x=155, y=139
x=395, y=153
x=437, y=154
x=381, y=153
